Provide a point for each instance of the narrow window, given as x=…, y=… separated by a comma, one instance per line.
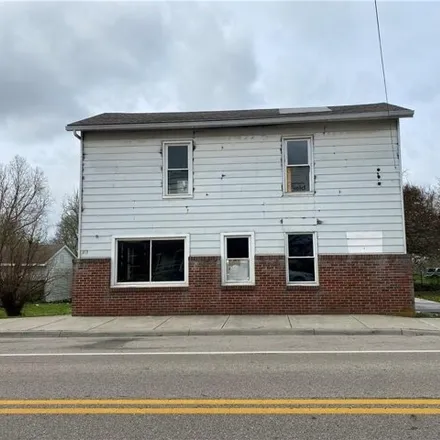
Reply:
x=238, y=259
x=150, y=261
x=297, y=165
x=301, y=259
x=177, y=169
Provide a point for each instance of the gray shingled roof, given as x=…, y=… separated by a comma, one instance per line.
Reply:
x=40, y=255
x=112, y=119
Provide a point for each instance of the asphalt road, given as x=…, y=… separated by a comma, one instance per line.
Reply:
x=325, y=388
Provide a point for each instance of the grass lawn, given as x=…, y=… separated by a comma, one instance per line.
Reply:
x=432, y=296
x=43, y=309
x=427, y=280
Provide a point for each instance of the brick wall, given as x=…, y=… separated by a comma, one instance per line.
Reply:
x=348, y=284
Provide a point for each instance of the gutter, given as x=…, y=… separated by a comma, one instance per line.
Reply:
x=246, y=122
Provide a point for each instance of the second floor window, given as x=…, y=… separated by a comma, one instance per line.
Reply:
x=298, y=169
x=177, y=169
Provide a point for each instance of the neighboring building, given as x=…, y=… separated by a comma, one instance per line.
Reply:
x=253, y=211
x=53, y=264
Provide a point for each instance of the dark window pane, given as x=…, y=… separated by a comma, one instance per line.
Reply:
x=298, y=179
x=177, y=156
x=301, y=245
x=301, y=269
x=133, y=261
x=237, y=247
x=178, y=182
x=168, y=260
x=297, y=153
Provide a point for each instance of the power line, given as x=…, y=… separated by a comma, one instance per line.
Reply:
x=396, y=154
x=381, y=52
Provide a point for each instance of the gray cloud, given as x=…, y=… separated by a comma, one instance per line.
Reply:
x=57, y=54
x=65, y=61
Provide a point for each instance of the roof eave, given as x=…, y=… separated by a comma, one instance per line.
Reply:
x=246, y=122
x=59, y=251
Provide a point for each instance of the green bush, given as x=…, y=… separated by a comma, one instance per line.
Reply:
x=419, y=287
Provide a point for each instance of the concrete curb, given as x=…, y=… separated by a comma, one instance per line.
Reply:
x=220, y=332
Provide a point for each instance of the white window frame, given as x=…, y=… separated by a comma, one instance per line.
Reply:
x=142, y=284
x=223, y=249
x=310, y=164
x=315, y=257
x=165, y=145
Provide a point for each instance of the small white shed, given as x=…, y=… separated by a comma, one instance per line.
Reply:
x=55, y=264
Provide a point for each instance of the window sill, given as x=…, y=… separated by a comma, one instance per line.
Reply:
x=238, y=284
x=178, y=196
x=299, y=193
x=293, y=285
x=146, y=285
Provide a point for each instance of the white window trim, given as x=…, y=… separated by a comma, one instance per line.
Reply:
x=251, y=236
x=311, y=164
x=142, y=284
x=315, y=257
x=165, y=145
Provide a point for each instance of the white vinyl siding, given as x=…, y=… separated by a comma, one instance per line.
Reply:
x=238, y=185
x=60, y=272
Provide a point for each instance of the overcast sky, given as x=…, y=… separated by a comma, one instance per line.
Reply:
x=60, y=62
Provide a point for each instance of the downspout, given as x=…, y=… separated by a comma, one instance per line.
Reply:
x=80, y=191
x=399, y=153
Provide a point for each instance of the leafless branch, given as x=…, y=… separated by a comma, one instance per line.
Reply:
x=67, y=228
x=24, y=202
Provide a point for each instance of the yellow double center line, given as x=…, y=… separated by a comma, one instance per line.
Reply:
x=222, y=406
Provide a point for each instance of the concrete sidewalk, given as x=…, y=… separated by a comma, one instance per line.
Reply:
x=217, y=325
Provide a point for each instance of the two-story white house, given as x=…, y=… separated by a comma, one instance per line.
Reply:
x=294, y=210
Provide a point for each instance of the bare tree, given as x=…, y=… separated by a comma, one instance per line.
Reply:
x=67, y=228
x=24, y=202
x=422, y=218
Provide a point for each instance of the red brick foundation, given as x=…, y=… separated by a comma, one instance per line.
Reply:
x=348, y=284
